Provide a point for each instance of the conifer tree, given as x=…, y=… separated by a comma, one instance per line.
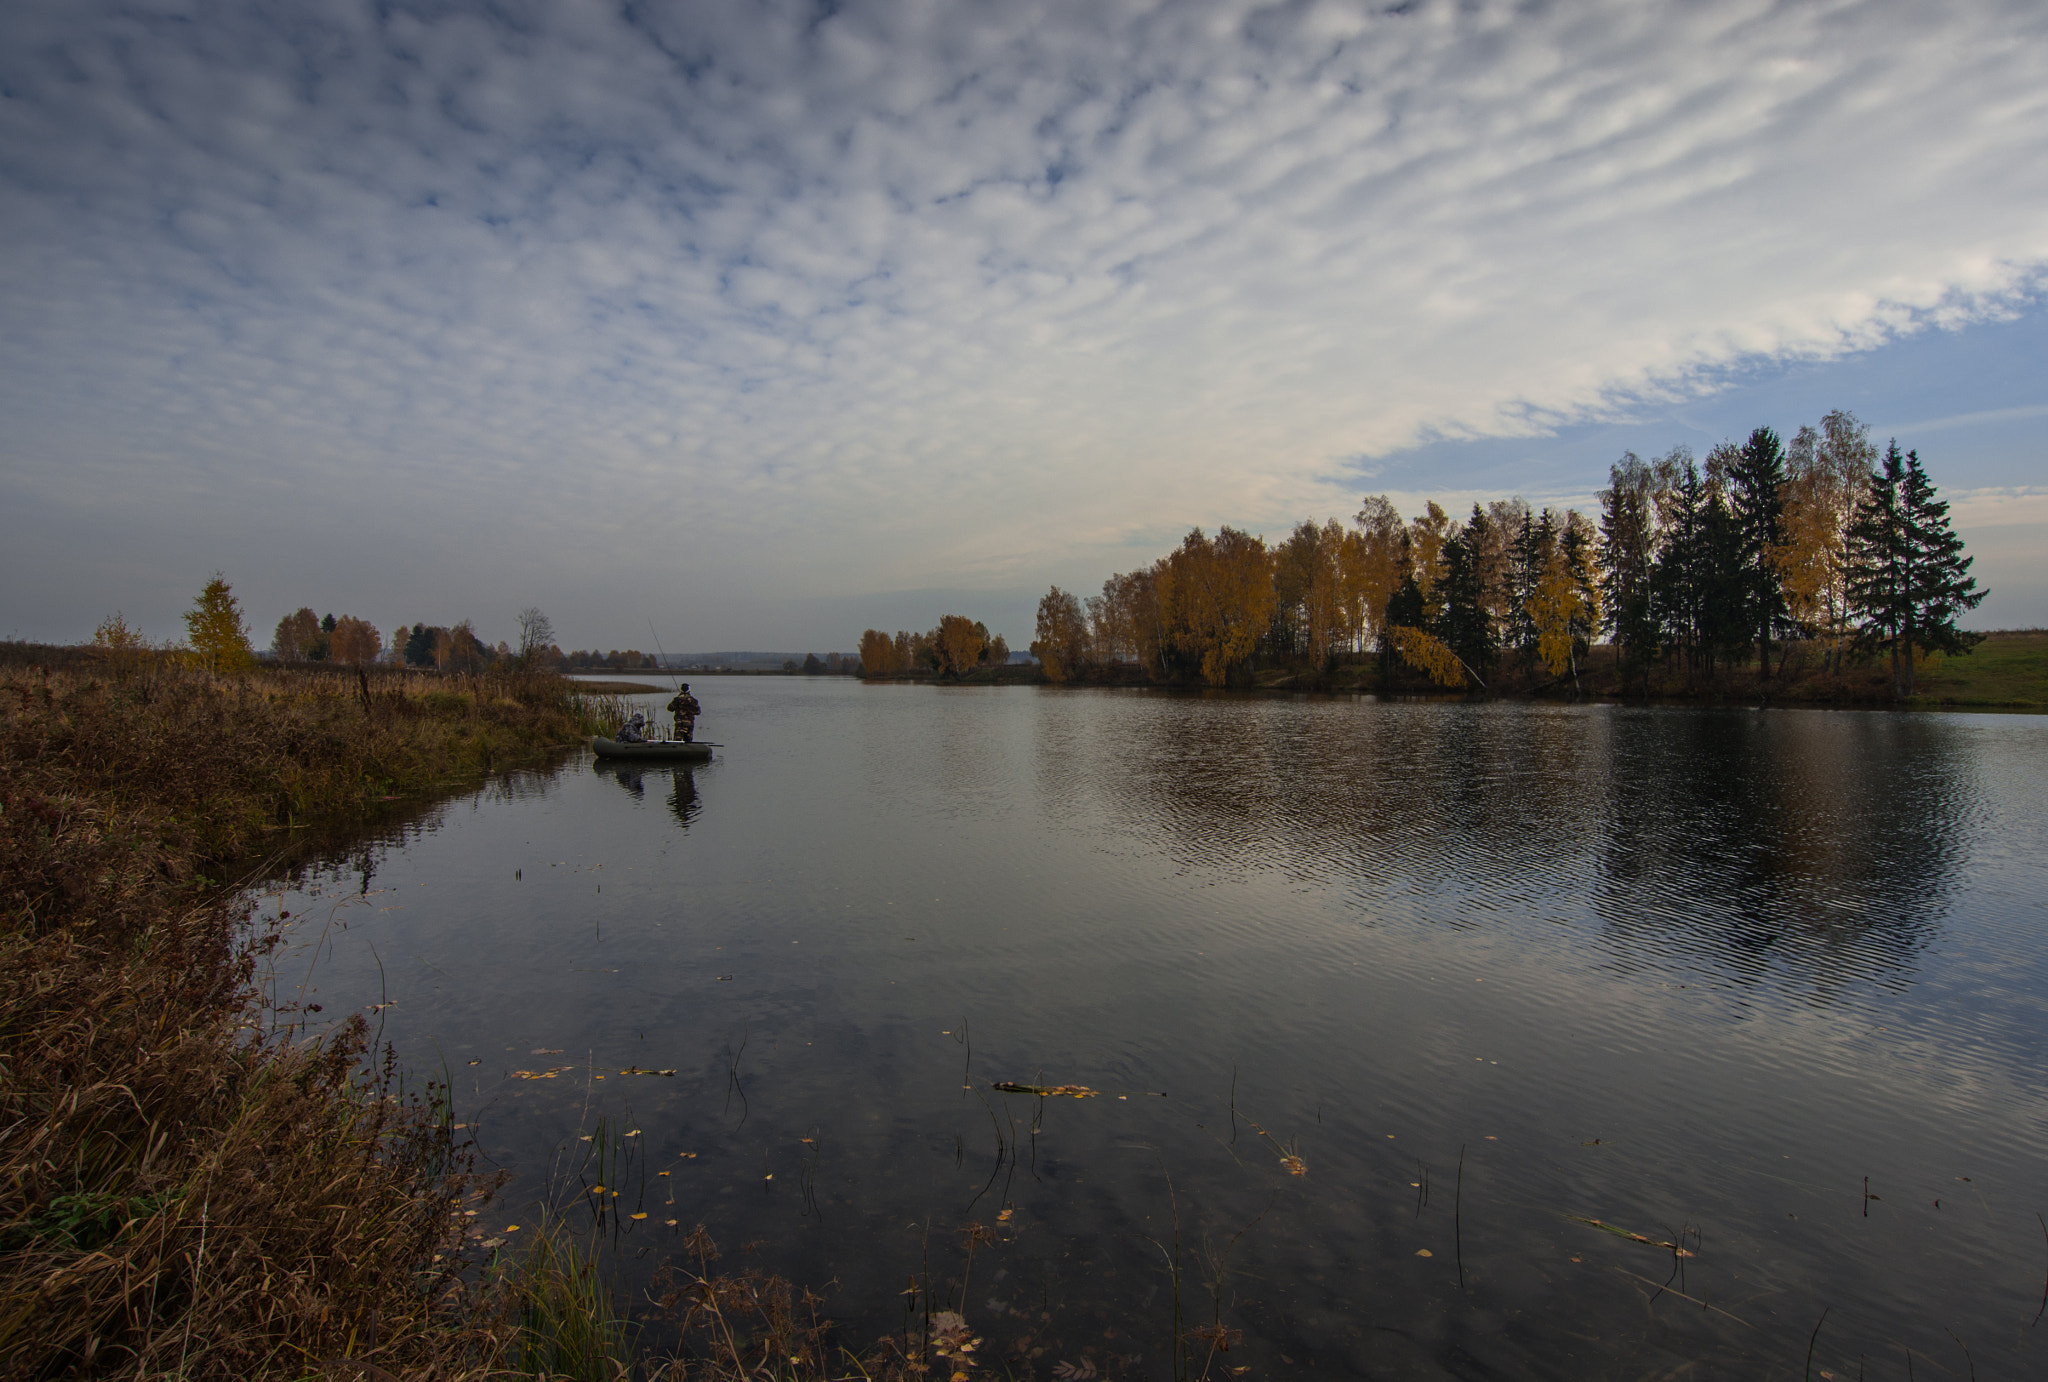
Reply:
x=1675, y=581
x=214, y=628
x=1756, y=495
x=1941, y=586
x=1907, y=576
x=1465, y=624
x=1628, y=554
x=1579, y=544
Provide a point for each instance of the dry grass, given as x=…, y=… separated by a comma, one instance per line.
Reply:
x=183, y=1192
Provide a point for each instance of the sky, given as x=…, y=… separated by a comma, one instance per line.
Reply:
x=754, y=324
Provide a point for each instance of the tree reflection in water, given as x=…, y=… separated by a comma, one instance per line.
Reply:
x=1805, y=850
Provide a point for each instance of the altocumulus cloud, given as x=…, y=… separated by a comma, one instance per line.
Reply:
x=888, y=295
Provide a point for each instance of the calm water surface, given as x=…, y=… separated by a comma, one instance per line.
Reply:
x=1693, y=974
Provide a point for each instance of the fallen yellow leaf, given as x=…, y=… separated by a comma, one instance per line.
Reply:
x=639, y=1216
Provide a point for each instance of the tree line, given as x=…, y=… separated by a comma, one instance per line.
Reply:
x=217, y=636
x=953, y=648
x=1690, y=565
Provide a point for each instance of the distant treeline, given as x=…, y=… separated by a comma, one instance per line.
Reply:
x=1700, y=566
x=954, y=648
x=306, y=637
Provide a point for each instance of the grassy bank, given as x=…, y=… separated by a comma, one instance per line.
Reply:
x=183, y=1191
x=2007, y=670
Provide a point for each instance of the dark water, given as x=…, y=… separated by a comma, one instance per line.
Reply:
x=1692, y=974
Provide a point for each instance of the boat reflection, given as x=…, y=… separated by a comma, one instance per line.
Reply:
x=684, y=802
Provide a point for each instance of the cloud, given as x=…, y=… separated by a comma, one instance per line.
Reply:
x=877, y=295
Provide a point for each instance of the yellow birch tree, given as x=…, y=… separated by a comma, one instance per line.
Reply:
x=1429, y=654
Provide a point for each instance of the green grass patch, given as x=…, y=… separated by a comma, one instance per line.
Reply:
x=2005, y=670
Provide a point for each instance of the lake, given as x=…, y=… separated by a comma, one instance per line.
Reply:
x=1769, y=987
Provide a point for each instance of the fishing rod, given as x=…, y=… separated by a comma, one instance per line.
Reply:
x=664, y=655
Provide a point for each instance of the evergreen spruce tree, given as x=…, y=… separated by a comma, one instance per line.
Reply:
x=1464, y=623
x=1723, y=610
x=1628, y=554
x=1942, y=587
x=1876, y=561
x=1908, y=579
x=1756, y=499
x=419, y=646
x=1581, y=560
x=1675, y=580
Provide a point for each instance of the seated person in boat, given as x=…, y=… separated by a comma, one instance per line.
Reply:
x=634, y=731
x=686, y=710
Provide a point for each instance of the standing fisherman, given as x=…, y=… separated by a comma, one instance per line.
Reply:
x=686, y=710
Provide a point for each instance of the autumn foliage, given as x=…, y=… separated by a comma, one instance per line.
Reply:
x=952, y=650
x=1698, y=567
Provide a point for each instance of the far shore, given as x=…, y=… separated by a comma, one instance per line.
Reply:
x=615, y=685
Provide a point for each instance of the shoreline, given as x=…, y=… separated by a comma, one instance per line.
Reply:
x=2008, y=672
x=160, y=1112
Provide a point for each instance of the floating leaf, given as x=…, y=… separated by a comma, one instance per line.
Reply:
x=1071, y=1091
x=640, y=1216
x=1424, y=1252
x=1294, y=1165
x=545, y=1051
x=1003, y=1215
x=636, y=1070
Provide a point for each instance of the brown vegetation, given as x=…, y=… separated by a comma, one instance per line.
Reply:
x=185, y=1189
